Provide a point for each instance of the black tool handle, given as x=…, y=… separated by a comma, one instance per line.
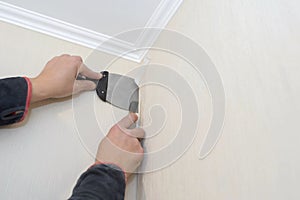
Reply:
x=102, y=86
x=102, y=83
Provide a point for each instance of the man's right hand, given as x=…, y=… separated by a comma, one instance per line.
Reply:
x=121, y=146
x=58, y=78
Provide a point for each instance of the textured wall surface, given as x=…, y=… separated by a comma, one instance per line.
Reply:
x=255, y=47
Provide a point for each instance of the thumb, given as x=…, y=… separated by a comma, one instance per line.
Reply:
x=83, y=85
x=87, y=72
x=127, y=121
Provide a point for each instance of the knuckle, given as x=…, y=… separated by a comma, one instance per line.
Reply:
x=77, y=59
x=141, y=150
x=137, y=146
x=115, y=129
x=140, y=155
x=142, y=132
x=54, y=59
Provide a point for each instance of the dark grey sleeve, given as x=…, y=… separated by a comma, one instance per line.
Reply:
x=15, y=94
x=100, y=182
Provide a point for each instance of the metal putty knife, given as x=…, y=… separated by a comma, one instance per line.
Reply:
x=121, y=91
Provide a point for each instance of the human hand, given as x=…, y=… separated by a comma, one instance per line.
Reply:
x=58, y=78
x=121, y=146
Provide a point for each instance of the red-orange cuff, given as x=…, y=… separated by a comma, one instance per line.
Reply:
x=28, y=99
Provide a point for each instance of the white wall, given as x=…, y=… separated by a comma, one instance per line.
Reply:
x=255, y=47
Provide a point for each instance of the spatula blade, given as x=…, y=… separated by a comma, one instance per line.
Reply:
x=121, y=91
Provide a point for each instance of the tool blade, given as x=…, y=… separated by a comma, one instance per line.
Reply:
x=123, y=92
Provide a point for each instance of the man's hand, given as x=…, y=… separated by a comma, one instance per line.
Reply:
x=58, y=78
x=121, y=146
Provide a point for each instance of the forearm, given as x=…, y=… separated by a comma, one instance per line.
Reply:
x=99, y=182
x=39, y=91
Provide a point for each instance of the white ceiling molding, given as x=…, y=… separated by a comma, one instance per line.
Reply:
x=89, y=38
